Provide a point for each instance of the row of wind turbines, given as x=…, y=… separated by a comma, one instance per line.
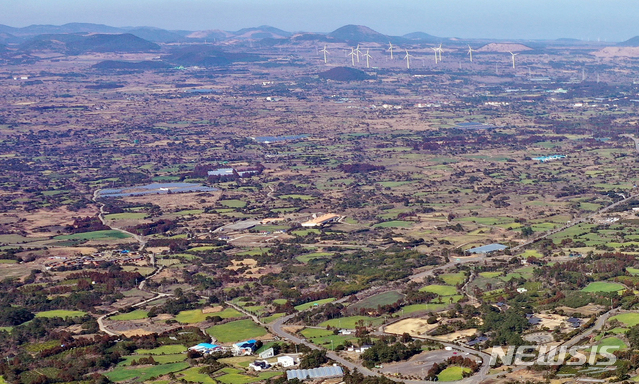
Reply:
x=356, y=52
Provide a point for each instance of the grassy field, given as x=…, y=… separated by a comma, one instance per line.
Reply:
x=161, y=359
x=394, y=224
x=350, y=322
x=452, y=373
x=312, y=256
x=236, y=331
x=305, y=306
x=375, y=300
x=490, y=275
x=142, y=374
x=106, y=234
x=629, y=319
x=453, y=278
x=612, y=342
x=126, y=216
x=163, y=350
x=233, y=203
x=633, y=271
x=60, y=313
x=311, y=333
x=298, y=197
x=271, y=318
x=193, y=375
x=133, y=315
x=603, y=286
x=234, y=376
x=441, y=290
x=196, y=315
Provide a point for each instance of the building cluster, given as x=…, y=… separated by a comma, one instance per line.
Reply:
x=120, y=257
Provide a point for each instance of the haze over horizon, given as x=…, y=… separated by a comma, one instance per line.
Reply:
x=499, y=19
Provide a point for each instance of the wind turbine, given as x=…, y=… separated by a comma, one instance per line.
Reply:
x=513, y=55
x=435, y=49
x=358, y=52
x=407, y=57
x=470, y=52
x=367, y=56
x=352, y=55
x=390, y=48
x=440, y=50
x=325, y=52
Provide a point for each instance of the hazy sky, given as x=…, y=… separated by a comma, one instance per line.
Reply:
x=614, y=20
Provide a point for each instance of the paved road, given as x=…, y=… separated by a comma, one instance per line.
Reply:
x=633, y=138
x=138, y=238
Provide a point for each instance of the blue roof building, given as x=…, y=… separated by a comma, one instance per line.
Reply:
x=488, y=248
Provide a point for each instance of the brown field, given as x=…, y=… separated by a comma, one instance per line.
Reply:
x=414, y=327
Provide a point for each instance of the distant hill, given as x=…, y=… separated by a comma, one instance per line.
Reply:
x=132, y=65
x=7, y=38
x=261, y=32
x=156, y=35
x=344, y=74
x=632, y=42
x=504, y=47
x=358, y=33
x=33, y=30
x=212, y=34
x=206, y=56
x=422, y=36
x=75, y=44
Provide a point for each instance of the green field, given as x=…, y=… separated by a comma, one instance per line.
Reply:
x=60, y=313
x=271, y=318
x=350, y=322
x=305, y=306
x=233, y=203
x=379, y=299
x=299, y=197
x=311, y=333
x=490, y=275
x=633, y=271
x=126, y=216
x=163, y=350
x=612, y=342
x=160, y=359
x=106, y=234
x=441, y=290
x=603, y=286
x=629, y=319
x=142, y=374
x=236, y=331
x=452, y=373
x=312, y=256
x=133, y=315
x=234, y=376
x=394, y=224
x=196, y=315
x=453, y=278
x=193, y=375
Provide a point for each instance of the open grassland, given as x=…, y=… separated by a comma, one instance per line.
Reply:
x=160, y=359
x=629, y=319
x=235, y=331
x=351, y=322
x=126, y=216
x=163, y=350
x=60, y=313
x=603, y=286
x=138, y=314
x=193, y=375
x=453, y=278
x=106, y=234
x=441, y=290
x=377, y=300
x=452, y=373
x=144, y=373
x=197, y=316
x=306, y=306
x=234, y=376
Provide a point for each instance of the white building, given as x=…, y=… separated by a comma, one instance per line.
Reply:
x=286, y=361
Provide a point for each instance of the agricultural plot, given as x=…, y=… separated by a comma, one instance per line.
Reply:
x=138, y=314
x=629, y=319
x=60, y=313
x=235, y=376
x=351, y=322
x=603, y=286
x=305, y=258
x=144, y=373
x=235, y=331
x=453, y=278
x=163, y=350
x=316, y=303
x=198, y=316
x=381, y=299
x=95, y=235
x=441, y=290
